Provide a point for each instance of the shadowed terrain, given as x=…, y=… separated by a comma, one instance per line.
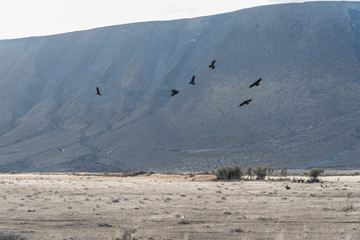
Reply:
x=304, y=114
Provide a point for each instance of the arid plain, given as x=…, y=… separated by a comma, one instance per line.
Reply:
x=159, y=206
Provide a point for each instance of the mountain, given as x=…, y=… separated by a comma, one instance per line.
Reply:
x=305, y=113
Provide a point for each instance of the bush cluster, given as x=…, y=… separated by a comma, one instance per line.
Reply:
x=260, y=172
x=314, y=173
x=132, y=173
x=228, y=173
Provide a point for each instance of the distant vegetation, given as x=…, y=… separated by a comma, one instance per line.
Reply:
x=236, y=173
x=314, y=173
x=11, y=237
x=259, y=173
x=249, y=172
x=227, y=173
x=349, y=205
x=283, y=172
x=131, y=173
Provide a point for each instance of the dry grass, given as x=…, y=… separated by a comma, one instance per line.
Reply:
x=86, y=206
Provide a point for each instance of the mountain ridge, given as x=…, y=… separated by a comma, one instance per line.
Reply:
x=307, y=55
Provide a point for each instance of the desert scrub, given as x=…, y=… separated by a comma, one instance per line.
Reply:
x=128, y=234
x=284, y=172
x=228, y=173
x=270, y=172
x=11, y=237
x=131, y=173
x=314, y=173
x=249, y=172
x=349, y=205
x=260, y=172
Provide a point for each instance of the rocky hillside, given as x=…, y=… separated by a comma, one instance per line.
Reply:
x=305, y=113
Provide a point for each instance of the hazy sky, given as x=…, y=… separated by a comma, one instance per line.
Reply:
x=24, y=18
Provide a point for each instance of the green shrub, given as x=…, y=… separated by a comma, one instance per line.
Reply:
x=314, y=173
x=249, y=172
x=227, y=173
x=270, y=172
x=260, y=172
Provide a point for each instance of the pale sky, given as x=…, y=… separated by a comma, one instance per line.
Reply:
x=25, y=18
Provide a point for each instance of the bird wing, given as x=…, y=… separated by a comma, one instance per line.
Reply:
x=245, y=102
x=258, y=82
x=255, y=83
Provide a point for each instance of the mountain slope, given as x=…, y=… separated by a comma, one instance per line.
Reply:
x=305, y=113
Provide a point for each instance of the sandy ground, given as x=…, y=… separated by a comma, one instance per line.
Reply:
x=67, y=206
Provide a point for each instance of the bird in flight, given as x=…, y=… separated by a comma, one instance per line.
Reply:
x=192, y=80
x=98, y=91
x=257, y=83
x=61, y=150
x=212, y=65
x=174, y=92
x=245, y=102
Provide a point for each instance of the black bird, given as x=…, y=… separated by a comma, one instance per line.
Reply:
x=174, y=92
x=257, y=83
x=192, y=80
x=212, y=65
x=98, y=91
x=287, y=187
x=245, y=102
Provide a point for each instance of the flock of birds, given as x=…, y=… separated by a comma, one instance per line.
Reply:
x=212, y=66
x=192, y=82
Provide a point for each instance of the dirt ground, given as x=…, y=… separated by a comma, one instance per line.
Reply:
x=89, y=206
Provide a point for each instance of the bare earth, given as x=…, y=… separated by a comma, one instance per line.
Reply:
x=90, y=206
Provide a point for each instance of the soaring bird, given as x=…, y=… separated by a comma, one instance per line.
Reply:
x=245, y=102
x=98, y=91
x=174, y=92
x=212, y=65
x=257, y=83
x=192, y=80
